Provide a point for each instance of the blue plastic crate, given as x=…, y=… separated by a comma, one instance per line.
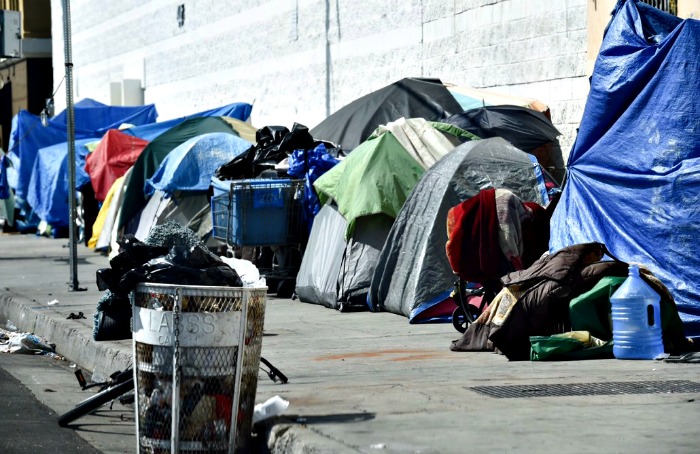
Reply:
x=257, y=212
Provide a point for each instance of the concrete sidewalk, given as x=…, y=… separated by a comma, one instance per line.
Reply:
x=364, y=382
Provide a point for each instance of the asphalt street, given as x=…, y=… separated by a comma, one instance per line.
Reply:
x=26, y=424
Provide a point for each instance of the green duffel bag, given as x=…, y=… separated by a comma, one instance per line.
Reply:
x=568, y=346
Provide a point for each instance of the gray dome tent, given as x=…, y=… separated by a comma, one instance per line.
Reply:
x=413, y=274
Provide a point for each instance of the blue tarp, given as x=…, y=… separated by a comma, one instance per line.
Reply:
x=310, y=165
x=47, y=192
x=633, y=179
x=26, y=138
x=190, y=166
x=92, y=119
x=238, y=110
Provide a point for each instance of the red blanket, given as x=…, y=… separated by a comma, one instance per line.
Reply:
x=473, y=248
x=472, y=245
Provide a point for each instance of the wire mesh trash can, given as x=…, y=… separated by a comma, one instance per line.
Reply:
x=196, y=361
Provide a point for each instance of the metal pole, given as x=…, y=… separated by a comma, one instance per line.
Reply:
x=70, y=128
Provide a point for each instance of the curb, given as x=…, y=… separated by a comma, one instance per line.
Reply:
x=70, y=339
x=298, y=439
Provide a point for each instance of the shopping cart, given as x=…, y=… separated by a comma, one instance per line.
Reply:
x=264, y=215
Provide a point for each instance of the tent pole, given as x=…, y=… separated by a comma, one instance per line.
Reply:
x=70, y=127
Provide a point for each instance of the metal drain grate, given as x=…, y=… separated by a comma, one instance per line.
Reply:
x=588, y=389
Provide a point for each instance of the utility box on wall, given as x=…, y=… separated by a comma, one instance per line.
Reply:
x=10, y=34
x=128, y=92
x=132, y=93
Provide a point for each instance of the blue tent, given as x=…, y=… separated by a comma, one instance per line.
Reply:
x=92, y=119
x=190, y=166
x=47, y=192
x=633, y=179
x=26, y=138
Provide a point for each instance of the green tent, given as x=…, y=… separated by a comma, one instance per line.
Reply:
x=155, y=152
x=378, y=176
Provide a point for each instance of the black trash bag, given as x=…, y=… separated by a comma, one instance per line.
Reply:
x=274, y=143
x=243, y=166
x=171, y=254
x=183, y=266
x=133, y=253
x=112, y=320
x=107, y=279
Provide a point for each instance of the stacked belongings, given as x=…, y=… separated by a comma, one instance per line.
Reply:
x=255, y=190
x=282, y=153
x=273, y=145
x=489, y=235
x=171, y=254
x=536, y=301
x=505, y=233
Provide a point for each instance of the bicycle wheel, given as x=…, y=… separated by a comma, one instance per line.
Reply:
x=95, y=402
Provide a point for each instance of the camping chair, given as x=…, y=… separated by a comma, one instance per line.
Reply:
x=475, y=247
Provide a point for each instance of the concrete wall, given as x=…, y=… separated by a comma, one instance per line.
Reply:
x=300, y=60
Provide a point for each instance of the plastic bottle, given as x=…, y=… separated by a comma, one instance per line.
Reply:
x=636, y=319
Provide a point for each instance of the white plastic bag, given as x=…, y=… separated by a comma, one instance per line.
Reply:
x=27, y=343
x=247, y=271
x=273, y=406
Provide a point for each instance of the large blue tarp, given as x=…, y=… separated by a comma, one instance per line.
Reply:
x=191, y=165
x=92, y=119
x=633, y=179
x=26, y=138
x=47, y=192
